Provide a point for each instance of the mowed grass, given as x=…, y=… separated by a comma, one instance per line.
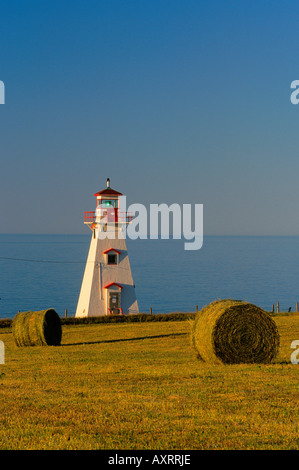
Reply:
x=140, y=386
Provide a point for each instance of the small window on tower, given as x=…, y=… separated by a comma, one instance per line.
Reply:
x=112, y=258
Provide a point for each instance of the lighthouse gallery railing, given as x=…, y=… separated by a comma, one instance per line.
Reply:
x=111, y=215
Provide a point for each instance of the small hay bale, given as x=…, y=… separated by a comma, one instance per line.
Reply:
x=234, y=332
x=41, y=328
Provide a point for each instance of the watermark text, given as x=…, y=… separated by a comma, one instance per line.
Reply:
x=2, y=92
x=146, y=460
x=2, y=353
x=161, y=221
x=295, y=354
x=295, y=94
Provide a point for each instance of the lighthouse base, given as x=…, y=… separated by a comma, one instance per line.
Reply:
x=107, y=287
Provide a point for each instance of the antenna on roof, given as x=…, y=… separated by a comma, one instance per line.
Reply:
x=108, y=182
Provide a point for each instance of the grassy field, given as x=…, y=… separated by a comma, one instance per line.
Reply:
x=140, y=386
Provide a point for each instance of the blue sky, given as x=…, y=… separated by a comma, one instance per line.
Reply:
x=175, y=101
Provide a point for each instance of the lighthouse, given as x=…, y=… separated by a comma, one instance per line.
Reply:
x=107, y=287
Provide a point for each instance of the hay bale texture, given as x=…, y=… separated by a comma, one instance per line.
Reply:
x=41, y=328
x=232, y=331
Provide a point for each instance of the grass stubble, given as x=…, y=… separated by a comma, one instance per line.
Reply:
x=141, y=386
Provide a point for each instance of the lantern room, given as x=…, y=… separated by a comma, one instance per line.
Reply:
x=108, y=197
x=107, y=208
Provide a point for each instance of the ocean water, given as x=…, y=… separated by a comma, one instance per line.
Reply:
x=45, y=271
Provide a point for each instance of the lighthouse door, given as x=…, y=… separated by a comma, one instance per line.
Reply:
x=114, y=303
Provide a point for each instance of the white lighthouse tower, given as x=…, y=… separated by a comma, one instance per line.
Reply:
x=107, y=286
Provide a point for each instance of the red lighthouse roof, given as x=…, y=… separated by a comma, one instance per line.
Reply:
x=111, y=249
x=108, y=191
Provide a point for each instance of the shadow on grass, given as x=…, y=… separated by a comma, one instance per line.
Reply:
x=140, y=338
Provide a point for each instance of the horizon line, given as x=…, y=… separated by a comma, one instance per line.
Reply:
x=159, y=238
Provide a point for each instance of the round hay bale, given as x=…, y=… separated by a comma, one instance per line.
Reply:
x=233, y=331
x=41, y=328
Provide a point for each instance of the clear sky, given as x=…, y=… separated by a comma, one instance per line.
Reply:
x=175, y=101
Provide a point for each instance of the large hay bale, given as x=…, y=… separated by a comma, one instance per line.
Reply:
x=233, y=331
x=37, y=328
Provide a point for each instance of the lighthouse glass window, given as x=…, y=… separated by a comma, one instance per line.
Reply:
x=112, y=258
x=109, y=203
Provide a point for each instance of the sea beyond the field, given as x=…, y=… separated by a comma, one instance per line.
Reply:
x=46, y=271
